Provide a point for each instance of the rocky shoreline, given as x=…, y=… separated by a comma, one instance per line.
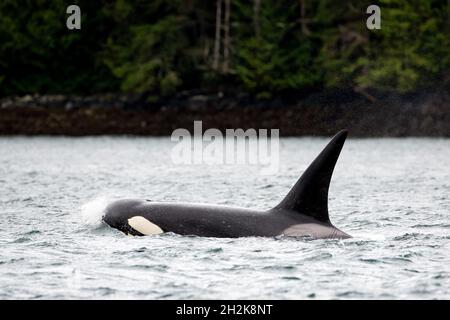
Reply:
x=418, y=114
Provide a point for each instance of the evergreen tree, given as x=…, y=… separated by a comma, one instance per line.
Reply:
x=266, y=48
x=273, y=55
x=38, y=54
x=409, y=51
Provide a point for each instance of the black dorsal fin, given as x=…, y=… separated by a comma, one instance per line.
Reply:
x=309, y=196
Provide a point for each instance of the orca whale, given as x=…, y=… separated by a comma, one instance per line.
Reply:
x=302, y=213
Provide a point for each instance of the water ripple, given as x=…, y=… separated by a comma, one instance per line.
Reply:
x=392, y=199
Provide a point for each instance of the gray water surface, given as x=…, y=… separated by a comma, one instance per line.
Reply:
x=392, y=195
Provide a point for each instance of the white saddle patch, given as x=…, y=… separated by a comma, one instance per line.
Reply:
x=142, y=225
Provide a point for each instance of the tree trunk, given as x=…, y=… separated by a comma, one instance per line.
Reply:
x=218, y=32
x=448, y=13
x=303, y=20
x=227, y=40
x=256, y=10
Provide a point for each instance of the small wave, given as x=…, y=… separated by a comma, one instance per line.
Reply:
x=319, y=256
x=371, y=260
x=277, y=267
x=350, y=294
x=31, y=232
x=21, y=240
x=368, y=236
x=412, y=236
x=398, y=259
x=93, y=211
x=156, y=267
x=433, y=225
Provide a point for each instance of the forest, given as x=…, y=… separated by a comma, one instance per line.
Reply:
x=260, y=47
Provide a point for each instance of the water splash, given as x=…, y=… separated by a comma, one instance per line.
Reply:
x=93, y=211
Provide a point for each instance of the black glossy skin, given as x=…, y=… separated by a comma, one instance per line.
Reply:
x=216, y=221
x=303, y=212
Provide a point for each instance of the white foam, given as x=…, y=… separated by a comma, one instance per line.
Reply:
x=93, y=211
x=368, y=236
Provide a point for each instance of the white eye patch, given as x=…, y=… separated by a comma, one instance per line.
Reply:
x=142, y=225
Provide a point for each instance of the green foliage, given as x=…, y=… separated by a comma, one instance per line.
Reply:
x=151, y=57
x=410, y=51
x=281, y=58
x=160, y=47
x=39, y=55
x=143, y=66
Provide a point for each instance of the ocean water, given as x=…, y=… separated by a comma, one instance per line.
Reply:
x=391, y=195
